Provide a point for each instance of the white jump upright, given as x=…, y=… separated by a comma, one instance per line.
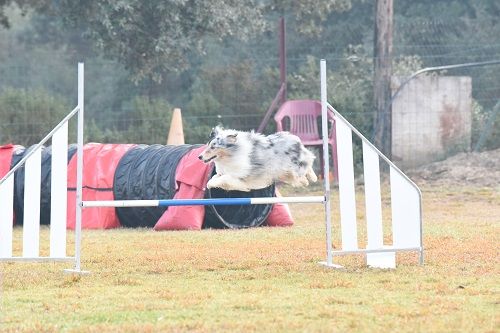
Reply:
x=406, y=199
x=32, y=169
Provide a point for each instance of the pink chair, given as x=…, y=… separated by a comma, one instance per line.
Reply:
x=303, y=118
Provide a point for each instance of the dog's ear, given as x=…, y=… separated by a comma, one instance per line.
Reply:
x=213, y=134
x=231, y=138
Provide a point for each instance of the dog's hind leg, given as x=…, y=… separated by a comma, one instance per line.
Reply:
x=296, y=180
x=311, y=175
x=302, y=181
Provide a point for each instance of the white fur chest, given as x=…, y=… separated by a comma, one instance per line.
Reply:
x=237, y=164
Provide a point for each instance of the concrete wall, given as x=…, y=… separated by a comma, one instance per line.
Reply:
x=431, y=118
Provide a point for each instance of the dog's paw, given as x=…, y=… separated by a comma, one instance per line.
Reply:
x=303, y=182
x=311, y=175
x=228, y=187
x=244, y=189
x=215, y=182
x=234, y=187
x=212, y=183
x=299, y=182
x=313, y=178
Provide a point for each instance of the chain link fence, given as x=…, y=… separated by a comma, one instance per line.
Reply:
x=235, y=84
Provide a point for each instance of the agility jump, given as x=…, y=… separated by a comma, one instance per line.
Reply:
x=405, y=198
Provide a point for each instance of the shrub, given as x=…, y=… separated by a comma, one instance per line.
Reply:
x=28, y=115
x=149, y=121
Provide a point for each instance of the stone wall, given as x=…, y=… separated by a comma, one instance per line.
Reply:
x=431, y=119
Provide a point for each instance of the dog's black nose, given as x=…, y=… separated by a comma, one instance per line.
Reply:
x=199, y=157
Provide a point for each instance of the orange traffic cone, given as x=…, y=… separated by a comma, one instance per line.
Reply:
x=176, y=132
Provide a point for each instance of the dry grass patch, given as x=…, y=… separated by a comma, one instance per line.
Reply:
x=268, y=279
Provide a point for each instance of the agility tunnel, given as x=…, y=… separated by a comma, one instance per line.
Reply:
x=142, y=172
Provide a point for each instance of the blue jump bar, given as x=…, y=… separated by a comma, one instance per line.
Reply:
x=205, y=202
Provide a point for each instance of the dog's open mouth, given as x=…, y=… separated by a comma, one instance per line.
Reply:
x=210, y=159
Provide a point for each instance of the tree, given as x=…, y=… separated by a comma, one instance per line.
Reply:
x=309, y=15
x=25, y=5
x=152, y=38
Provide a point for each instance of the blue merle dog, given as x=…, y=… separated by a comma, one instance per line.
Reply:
x=246, y=161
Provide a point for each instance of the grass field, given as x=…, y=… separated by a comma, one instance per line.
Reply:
x=268, y=279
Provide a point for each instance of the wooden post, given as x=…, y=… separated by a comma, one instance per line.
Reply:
x=382, y=75
x=281, y=95
x=282, y=54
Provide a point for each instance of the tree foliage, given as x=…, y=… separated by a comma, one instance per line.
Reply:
x=309, y=16
x=152, y=38
x=217, y=60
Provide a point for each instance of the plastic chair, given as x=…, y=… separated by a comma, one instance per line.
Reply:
x=303, y=119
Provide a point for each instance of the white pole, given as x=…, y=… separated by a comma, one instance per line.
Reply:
x=326, y=164
x=79, y=173
x=79, y=168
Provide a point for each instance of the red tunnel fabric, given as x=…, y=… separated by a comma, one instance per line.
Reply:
x=280, y=215
x=191, y=179
x=6, y=159
x=100, y=162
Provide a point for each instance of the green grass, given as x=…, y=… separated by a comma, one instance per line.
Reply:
x=268, y=279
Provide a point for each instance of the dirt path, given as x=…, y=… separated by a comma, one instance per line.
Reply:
x=478, y=169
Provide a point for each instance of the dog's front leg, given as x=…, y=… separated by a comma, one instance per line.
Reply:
x=236, y=184
x=214, y=182
x=221, y=181
x=228, y=183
